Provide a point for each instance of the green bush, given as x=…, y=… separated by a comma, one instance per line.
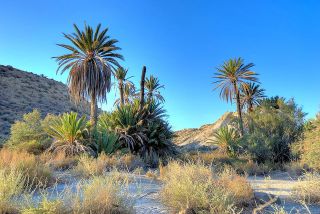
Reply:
x=309, y=147
x=70, y=135
x=29, y=134
x=273, y=128
x=145, y=132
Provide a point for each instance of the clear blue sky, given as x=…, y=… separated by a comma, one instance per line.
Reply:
x=181, y=42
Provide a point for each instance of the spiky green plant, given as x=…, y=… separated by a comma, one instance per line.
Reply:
x=251, y=95
x=153, y=87
x=227, y=139
x=91, y=58
x=69, y=135
x=230, y=78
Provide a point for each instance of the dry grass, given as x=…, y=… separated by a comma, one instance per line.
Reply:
x=194, y=187
x=307, y=190
x=11, y=187
x=89, y=166
x=101, y=194
x=152, y=174
x=36, y=173
x=58, y=161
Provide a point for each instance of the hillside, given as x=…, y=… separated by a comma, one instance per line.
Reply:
x=21, y=92
x=197, y=138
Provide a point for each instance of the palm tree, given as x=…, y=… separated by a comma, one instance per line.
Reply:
x=230, y=78
x=92, y=57
x=123, y=83
x=129, y=93
x=251, y=95
x=153, y=86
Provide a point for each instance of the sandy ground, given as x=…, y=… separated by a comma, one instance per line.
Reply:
x=281, y=184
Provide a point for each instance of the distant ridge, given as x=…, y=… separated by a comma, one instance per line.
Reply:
x=197, y=138
x=21, y=92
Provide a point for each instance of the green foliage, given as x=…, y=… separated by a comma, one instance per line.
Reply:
x=153, y=87
x=273, y=127
x=143, y=132
x=227, y=139
x=309, y=147
x=69, y=134
x=29, y=134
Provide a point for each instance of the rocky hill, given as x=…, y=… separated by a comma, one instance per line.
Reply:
x=197, y=138
x=21, y=92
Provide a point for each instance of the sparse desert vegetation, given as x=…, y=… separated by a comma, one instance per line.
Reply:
x=62, y=161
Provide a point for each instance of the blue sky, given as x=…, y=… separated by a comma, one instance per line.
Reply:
x=181, y=42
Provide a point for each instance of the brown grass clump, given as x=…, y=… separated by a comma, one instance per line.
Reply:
x=100, y=194
x=194, y=187
x=307, y=190
x=59, y=161
x=36, y=173
x=89, y=166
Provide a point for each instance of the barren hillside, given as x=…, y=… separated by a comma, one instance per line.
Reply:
x=197, y=138
x=21, y=92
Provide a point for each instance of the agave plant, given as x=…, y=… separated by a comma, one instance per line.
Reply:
x=68, y=132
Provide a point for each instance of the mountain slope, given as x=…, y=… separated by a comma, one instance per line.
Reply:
x=197, y=138
x=21, y=92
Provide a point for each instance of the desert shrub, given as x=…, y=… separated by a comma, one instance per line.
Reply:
x=58, y=161
x=11, y=187
x=274, y=126
x=36, y=174
x=89, y=166
x=307, y=190
x=70, y=135
x=201, y=191
x=101, y=194
x=28, y=134
x=309, y=147
x=104, y=194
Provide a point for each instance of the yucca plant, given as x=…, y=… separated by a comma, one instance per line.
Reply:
x=69, y=135
x=227, y=139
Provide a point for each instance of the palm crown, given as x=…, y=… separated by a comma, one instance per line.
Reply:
x=91, y=58
x=251, y=95
x=230, y=78
x=153, y=86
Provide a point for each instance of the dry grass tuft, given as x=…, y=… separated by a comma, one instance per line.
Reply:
x=307, y=190
x=35, y=172
x=194, y=187
x=89, y=166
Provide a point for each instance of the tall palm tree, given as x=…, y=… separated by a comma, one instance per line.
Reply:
x=251, y=95
x=123, y=82
x=230, y=78
x=92, y=57
x=153, y=86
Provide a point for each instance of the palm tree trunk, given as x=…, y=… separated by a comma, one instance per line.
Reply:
x=250, y=107
x=239, y=108
x=121, y=93
x=143, y=75
x=93, y=110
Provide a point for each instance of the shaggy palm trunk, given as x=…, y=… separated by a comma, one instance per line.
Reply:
x=239, y=108
x=93, y=110
x=250, y=107
x=121, y=93
x=143, y=75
